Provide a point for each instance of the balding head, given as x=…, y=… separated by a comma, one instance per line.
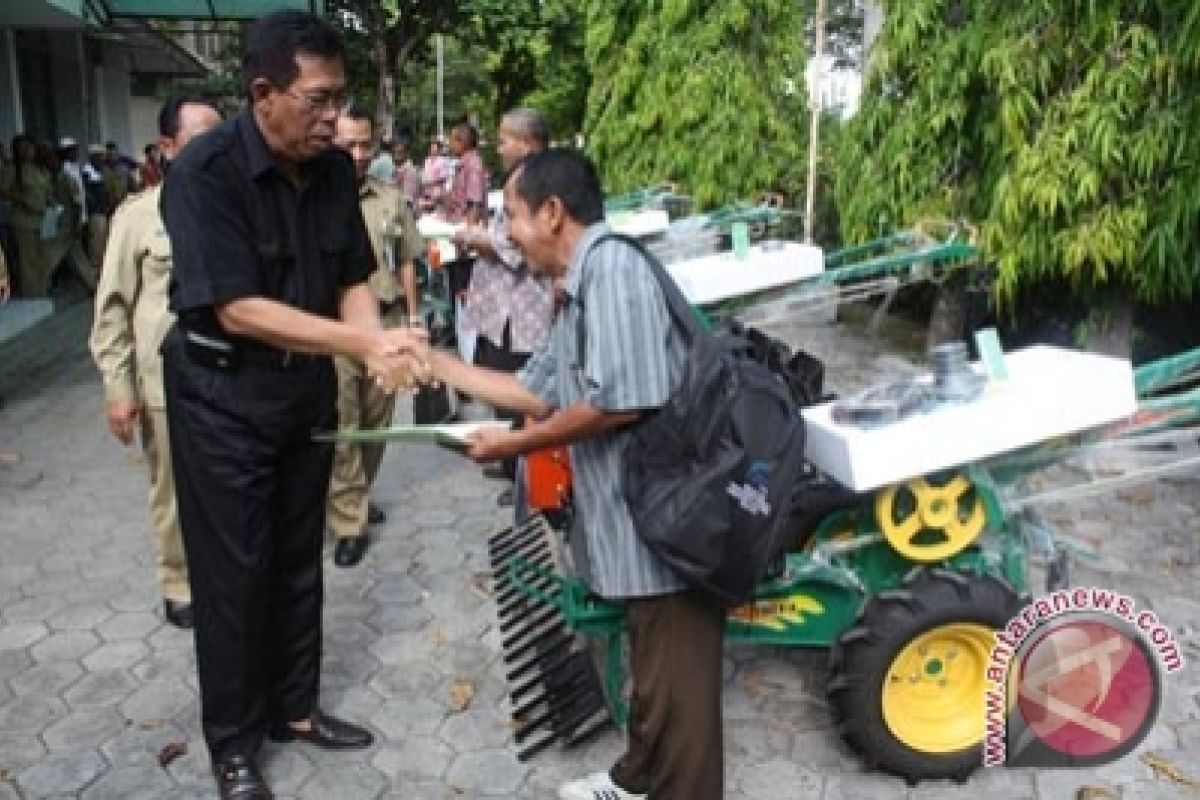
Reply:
x=522, y=131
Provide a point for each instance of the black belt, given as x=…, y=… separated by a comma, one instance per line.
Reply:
x=257, y=354
x=218, y=353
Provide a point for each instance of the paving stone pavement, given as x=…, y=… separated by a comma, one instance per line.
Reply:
x=93, y=683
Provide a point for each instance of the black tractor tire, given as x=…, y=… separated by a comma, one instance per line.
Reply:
x=863, y=655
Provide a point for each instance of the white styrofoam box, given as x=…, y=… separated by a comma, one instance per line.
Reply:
x=431, y=226
x=1050, y=392
x=495, y=201
x=721, y=276
x=644, y=222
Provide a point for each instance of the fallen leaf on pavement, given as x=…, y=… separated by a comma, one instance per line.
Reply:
x=461, y=695
x=170, y=752
x=1096, y=793
x=1168, y=770
x=437, y=636
x=9, y=457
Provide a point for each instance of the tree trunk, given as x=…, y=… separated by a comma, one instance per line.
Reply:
x=385, y=108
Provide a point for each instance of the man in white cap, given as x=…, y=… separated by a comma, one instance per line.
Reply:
x=68, y=154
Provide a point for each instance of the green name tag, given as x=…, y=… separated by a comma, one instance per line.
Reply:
x=740, y=233
x=991, y=354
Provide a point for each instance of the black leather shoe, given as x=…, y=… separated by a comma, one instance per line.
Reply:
x=178, y=614
x=238, y=779
x=328, y=732
x=350, y=550
x=375, y=515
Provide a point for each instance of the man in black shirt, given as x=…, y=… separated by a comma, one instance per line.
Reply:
x=271, y=262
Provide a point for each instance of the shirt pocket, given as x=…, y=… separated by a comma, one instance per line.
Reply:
x=158, y=255
x=334, y=245
x=278, y=270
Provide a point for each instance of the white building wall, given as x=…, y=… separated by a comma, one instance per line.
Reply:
x=112, y=87
x=143, y=123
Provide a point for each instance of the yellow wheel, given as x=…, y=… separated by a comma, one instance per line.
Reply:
x=907, y=679
x=933, y=692
x=929, y=521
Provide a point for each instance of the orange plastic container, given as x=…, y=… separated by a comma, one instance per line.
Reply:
x=548, y=478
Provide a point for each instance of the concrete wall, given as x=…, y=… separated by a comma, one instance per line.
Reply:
x=70, y=111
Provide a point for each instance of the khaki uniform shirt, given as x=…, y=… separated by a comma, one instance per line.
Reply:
x=131, y=303
x=35, y=192
x=388, y=220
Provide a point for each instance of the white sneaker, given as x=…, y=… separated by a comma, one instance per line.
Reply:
x=597, y=786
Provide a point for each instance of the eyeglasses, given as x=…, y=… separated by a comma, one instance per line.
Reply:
x=321, y=102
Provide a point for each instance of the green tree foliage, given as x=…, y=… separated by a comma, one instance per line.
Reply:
x=387, y=34
x=531, y=52
x=707, y=94
x=1068, y=129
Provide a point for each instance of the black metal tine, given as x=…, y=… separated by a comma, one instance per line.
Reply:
x=509, y=534
x=506, y=597
x=500, y=557
x=553, y=647
x=584, y=707
x=549, y=613
x=600, y=723
x=550, y=697
x=549, y=714
x=510, y=656
x=547, y=669
x=537, y=747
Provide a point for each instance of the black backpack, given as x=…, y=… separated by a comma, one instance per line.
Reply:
x=710, y=478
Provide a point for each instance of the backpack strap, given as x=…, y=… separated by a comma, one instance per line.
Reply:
x=682, y=313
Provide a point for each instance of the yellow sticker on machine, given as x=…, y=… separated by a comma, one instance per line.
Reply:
x=776, y=613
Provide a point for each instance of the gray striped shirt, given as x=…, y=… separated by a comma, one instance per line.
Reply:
x=634, y=358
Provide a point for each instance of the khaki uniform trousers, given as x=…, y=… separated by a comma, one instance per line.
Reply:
x=360, y=404
x=172, y=564
x=97, y=240
x=33, y=273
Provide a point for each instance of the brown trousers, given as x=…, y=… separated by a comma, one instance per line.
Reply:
x=675, y=749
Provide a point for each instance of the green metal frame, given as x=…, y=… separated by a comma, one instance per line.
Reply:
x=812, y=602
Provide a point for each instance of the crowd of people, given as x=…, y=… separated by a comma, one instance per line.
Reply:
x=257, y=282
x=55, y=209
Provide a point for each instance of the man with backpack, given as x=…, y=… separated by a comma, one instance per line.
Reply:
x=613, y=357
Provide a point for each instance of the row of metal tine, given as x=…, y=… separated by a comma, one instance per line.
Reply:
x=555, y=690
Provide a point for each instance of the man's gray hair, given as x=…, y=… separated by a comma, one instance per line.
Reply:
x=531, y=124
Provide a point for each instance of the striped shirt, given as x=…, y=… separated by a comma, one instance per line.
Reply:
x=633, y=359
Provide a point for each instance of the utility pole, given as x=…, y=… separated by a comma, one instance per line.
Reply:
x=814, y=131
x=441, y=73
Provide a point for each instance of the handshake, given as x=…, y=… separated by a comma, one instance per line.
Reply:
x=399, y=358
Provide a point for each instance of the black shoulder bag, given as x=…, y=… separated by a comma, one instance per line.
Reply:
x=711, y=476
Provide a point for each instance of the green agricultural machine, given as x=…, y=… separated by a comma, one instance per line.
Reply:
x=904, y=583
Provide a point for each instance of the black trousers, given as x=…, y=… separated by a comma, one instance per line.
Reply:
x=502, y=357
x=251, y=485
